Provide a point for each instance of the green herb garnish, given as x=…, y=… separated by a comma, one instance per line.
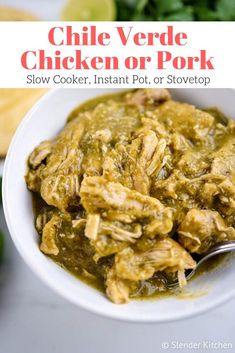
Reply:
x=175, y=10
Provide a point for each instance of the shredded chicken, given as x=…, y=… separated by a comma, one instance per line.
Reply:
x=103, y=135
x=60, y=190
x=99, y=195
x=43, y=217
x=116, y=289
x=92, y=226
x=48, y=244
x=201, y=229
x=40, y=154
x=132, y=187
x=154, y=125
x=140, y=177
x=224, y=160
x=164, y=254
x=185, y=119
x=226, y=194
x=65, y=157
x=110, y=237
x=120, y=233
x=141, y=97
x=158, y=160
x=77, y=223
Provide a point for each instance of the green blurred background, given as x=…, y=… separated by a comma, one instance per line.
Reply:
x=176, y=10
x=123, y=10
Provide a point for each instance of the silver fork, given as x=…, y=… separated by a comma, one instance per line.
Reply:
x=219, y=248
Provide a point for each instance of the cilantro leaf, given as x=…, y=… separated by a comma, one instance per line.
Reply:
x=204, y=14
x=141, y=5
x=175, y=10
x=186, y=14
x=226, y=10
x=168, y=6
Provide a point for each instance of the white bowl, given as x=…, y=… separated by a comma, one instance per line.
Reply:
x=43, y=122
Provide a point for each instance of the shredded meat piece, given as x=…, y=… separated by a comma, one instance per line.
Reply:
x=121, y=217
x=111, y=237
x=92, y=226
x=158, y=160
x=193, y=164
x=224, y=160
x=134, y=164
x=226, y=194
x=154, y=125
x=139, y=179
x=60, y=190
x=209, y=191
x=65, y=157
x=169, y=187
x=180, y=143
x=201, y=229
x=48, y=243
x=139, y=170
x=119, y=163
x=97, y=195
x=220, y=186
x=62, y=159
x=103, y=135
x=43, y=217
x=116, y=289
x=40, y=153
x=78, y=223
x=159, y=227
x=105, y=246
x=149, y=144
x=33, y=179
x=185, y=119
x=164, y=254
x=143, y=96
x=120, y=233
x=132, y=186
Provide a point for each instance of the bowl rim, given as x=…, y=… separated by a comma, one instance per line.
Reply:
x=87, y=305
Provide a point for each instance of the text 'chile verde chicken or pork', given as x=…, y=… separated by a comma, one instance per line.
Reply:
x=132, y=188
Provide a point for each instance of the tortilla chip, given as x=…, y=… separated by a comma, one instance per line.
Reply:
x=14, y=104
x=11, y=14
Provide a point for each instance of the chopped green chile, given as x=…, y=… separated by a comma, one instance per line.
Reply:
x=133, y=190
